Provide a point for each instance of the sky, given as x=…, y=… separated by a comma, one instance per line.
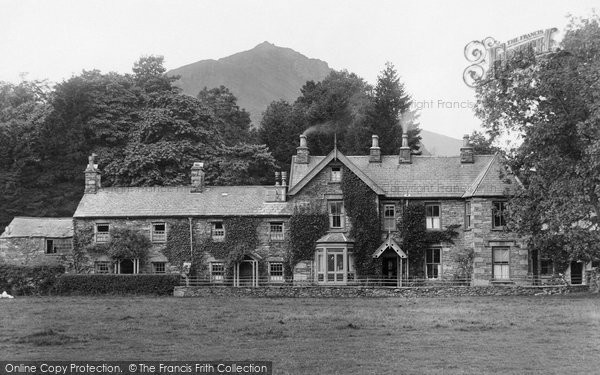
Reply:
x=424, y=39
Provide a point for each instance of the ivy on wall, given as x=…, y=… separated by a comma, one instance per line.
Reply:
x=360, y=203
x=241, y=238
x=83, y=245
x=126, y=243
x=416, y=239
x=307, y=225
x=178, y=249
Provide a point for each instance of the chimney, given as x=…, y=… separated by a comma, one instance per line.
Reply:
x=197, y=177
x=283, y=189
x=278, y=192
x=92, y=176
x=277, y=178
x=466, y=151
x=405, y=155
x=302, y=155
x=375, y=151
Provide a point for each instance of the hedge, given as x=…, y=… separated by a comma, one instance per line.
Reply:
x=72, y=284
x=29, y=280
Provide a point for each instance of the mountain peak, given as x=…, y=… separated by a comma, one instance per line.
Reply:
x=265, y=44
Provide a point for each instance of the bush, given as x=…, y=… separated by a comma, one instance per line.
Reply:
x=116, y=284
x=29, y=280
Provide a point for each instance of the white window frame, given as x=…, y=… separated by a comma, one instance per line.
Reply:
x=158, y=236
x=433, y=269
x=159, y=267
x=217, y=272
x=501, y=264
x=433, y=222
x=102, y=267
x=389, y=222
x=57, y=246
x=332, y=216
x=276, y=272
x=498, y=213
x=102, y=236
x=336, y=174
x=334, y=265
x=276, y=235
x=468, y=215
x=217, y=234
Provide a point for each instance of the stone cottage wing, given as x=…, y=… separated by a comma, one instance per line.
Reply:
x=50, y=227
x=180, y=201
x=423, y=177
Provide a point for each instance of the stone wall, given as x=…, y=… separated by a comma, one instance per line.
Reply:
x=355, y=292
x=27, y=251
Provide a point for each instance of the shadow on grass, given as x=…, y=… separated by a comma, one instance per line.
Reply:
x=47, y=337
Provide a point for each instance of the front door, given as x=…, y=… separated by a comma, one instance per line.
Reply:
x=576, y=272
x=246, y=276
x=389, y=268
x=126, y=266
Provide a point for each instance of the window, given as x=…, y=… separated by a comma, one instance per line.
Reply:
x=334, y=265
x=102, y=267
x=276, y=271
x=498, y=215
x=468, y=223
x=546, y=267
x=433, y=264
x=336, y=215
x=217, y=272
x=218, y=231
x=336, y=174
x=432, y=216
x=158, y=267
x=58, y=245
x=276, y=231
x=159, y=232
x=500, y=263
x=102, y=232
x=389, y=217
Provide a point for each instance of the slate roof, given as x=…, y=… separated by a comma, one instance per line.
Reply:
x=179, y=201
x=425, y=177
x=55, y=227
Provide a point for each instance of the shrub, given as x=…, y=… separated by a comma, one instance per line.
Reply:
x=72, y=284
x=29, y=280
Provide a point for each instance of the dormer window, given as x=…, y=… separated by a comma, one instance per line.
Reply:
x=336, y=174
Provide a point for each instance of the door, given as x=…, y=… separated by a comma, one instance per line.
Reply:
x=576, y=272
x=246, y=276
x=126, y=266
x=389, y=270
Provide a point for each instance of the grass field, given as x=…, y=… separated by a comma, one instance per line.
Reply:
x=543, y=334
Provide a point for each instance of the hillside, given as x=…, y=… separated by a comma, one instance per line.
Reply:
x=440, y=145
x=257, y=77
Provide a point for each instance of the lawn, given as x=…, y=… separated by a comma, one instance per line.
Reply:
x=542, y=334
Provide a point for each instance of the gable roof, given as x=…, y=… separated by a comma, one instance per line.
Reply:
x=180, y=201
x=55, y=227
x=389, y=243
x=299, y=177
x=425, y=177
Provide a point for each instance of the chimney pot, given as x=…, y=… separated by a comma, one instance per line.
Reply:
x=277, y=178
x=466, y=140
x=283, y=178
x=375, y=151
x=467, y=151
x=92, y=176
x=405, y=153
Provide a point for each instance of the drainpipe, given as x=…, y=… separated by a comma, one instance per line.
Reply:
x=191, y=240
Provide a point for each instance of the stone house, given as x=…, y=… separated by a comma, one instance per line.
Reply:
x=467, y=190
x=30, y=241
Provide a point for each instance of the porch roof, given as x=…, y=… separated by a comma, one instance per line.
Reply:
x=389, y=243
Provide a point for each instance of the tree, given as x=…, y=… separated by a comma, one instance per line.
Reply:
x=390, y=112
x=552, y=102
x=234, y=123
x=149, y=74
x=482, y=145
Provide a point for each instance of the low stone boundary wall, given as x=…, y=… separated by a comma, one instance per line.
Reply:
x=354, y=292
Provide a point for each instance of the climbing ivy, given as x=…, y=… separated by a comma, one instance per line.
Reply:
x=241, y=238
x=416, y=239
x=307, y=225
x=177, y=249
x=360, y=203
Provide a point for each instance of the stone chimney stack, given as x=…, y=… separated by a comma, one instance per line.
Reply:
x=302, y=155
x=197, y=177
x=375, y=151
x=467, y=151
x=279, y=192
x=405, y=154
x=92, y=176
